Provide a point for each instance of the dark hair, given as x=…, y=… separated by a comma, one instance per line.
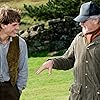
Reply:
x=8, y=15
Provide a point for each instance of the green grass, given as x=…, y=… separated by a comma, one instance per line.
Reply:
x=45, y=86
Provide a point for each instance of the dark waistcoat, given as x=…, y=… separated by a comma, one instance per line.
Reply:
x=13, y=59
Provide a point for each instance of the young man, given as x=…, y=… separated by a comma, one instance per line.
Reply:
x=83, y=56
x=13, y=56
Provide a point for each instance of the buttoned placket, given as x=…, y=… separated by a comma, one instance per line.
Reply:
x=85, y=73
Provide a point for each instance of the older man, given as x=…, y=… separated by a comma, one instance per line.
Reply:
x=83, y=56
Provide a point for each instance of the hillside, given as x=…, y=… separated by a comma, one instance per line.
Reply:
x=19, y=4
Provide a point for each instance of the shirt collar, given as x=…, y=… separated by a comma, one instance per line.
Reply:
x=10, y=39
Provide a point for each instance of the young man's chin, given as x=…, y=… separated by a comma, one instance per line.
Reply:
x=14, y=35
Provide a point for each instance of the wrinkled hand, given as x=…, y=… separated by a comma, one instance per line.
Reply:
x=47, y=65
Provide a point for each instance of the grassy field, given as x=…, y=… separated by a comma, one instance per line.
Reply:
x=45, y=86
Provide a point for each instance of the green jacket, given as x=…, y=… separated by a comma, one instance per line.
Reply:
x=84, y=58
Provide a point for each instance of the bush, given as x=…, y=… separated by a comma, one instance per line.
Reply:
x=55, y=9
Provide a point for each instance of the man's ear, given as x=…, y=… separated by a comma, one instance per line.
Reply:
x=3, y=26
x=97, y=21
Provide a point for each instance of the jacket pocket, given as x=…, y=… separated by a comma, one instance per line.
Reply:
x=76, y=88
x=75, y=92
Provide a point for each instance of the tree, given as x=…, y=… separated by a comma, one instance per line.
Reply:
x=55, y=9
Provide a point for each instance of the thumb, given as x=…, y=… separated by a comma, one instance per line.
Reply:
x=50, y=70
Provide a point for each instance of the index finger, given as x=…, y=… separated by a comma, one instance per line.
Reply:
x=40, y=70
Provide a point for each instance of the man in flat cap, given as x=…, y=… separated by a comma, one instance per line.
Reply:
x=83, y=56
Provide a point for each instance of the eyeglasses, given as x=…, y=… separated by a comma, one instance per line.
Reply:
x=84, y=21
x=88, y=19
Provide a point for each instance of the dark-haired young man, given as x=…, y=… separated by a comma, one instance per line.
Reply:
x=13, y=56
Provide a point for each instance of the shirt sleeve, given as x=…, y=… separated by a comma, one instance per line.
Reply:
x=66, y=61
x=23, y=66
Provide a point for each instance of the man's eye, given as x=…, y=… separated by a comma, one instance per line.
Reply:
x=14, y=24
